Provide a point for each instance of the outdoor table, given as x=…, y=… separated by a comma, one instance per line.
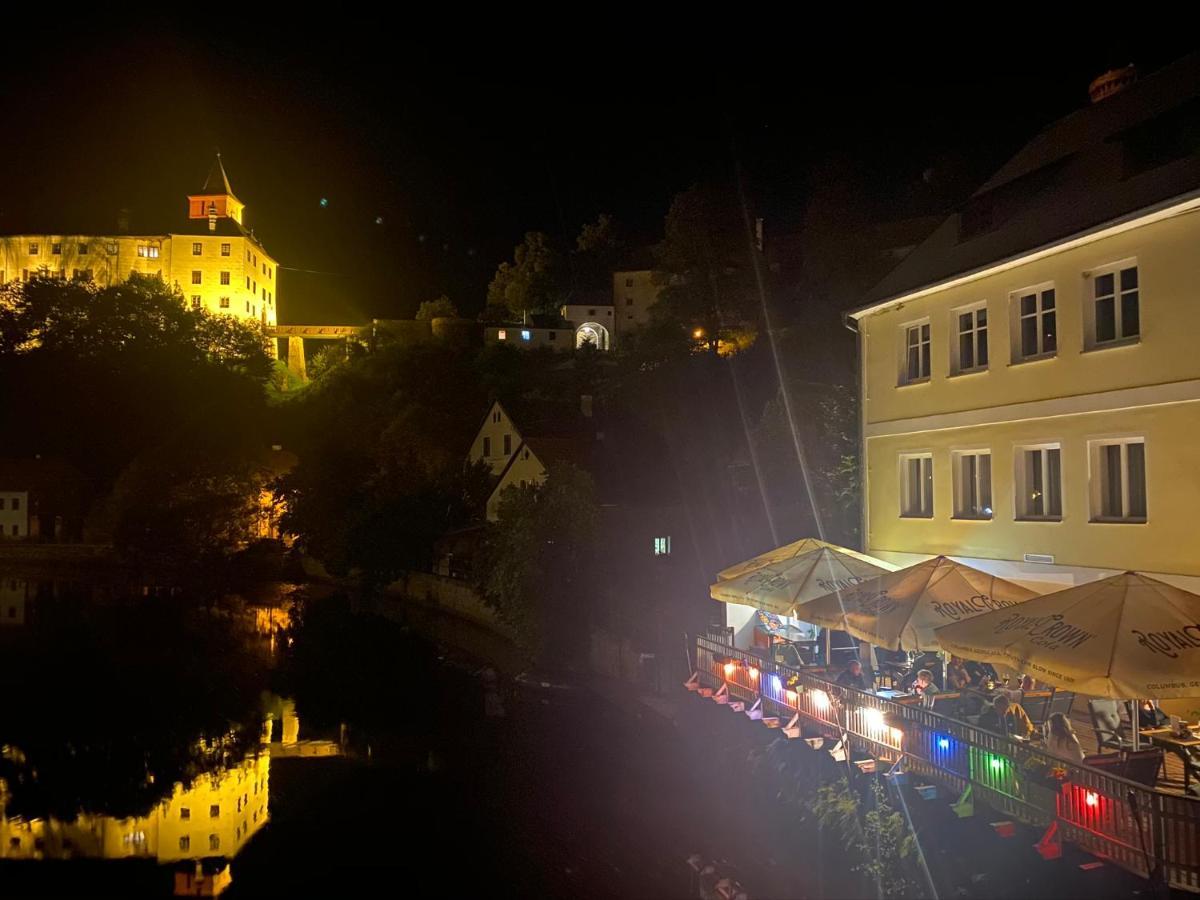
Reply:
x=891, y=693
x=1168, y=740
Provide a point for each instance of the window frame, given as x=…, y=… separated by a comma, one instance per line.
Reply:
x=1020, y=481
x=1096, y=481
x=1090, y=338
x=1038, y=291
x=923, y=326
x=957, y=470
x=662, y=547
x=905, y=485
x=956, y=333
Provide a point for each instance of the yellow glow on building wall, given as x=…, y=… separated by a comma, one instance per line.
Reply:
x=1066, y=489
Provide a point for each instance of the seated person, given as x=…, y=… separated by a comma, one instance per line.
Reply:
x=981, y=673
x=957, y=676
x=1150, y=716
x=924, y=685
x=1061, y=739
x=853, y=676
x=1006, y=717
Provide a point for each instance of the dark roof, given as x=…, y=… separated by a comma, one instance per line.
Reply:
x=1135, y=150
x=42, y=225
x=217, y=181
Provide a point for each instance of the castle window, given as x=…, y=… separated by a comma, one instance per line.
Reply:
x=247, y=306
x=197, y=248
x=247, y=256
x=16, y=503
x=224, y=303
x=112, y=248
x=264, y=265
x=629, y=301
x=56, y=249
x=34, y=249
x=628, y=282
x=196, y=276
x=214, y=811
x=214, y=842
x=224, y=278
x=185, y=843
x=247, y=282
x=225, y=249
x=195, y=301
x=83, y=249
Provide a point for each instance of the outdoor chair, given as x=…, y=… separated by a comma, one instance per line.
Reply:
x=946, y=703
x=1106, y=722
x=1037, y=705
x=1061, y=702
x=1143, y=766
x=1109, y=762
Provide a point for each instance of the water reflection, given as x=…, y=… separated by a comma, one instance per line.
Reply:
x=138, y=729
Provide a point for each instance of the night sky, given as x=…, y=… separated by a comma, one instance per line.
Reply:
x=460, y=151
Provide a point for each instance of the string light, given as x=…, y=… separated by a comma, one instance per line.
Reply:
x=943, y=743
x=1091, y=798
x=820, y=700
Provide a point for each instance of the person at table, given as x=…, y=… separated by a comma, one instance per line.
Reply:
x=957, y=676
x=924, y=685
x=981, y=673
x=1061, y=740
x=1150, y=716
x=853, y=676
x=1006, y=717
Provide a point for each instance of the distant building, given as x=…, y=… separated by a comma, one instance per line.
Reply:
x=1030, y=385
x=496, y=441
x=217, y=263
x=41, y=500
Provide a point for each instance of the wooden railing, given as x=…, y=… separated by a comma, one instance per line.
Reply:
x=1127, y=823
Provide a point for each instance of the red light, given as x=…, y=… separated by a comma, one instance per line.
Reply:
x=1092, y=798
x=730, y=668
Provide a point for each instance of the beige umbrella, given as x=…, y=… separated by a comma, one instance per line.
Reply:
x=1125, y=637
x=799, y=548
x=900, y=610
x=779, y=586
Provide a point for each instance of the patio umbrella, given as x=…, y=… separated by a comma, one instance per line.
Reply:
x=1124, y=637
x=799, y=548
x=779, y=586
x=900, y=610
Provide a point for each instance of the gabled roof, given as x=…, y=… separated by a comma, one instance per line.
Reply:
x=1135, y=151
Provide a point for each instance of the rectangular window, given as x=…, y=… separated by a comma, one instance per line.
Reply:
x=214, y=811
x=662, y=546
x=225, y=249
x=628, y=282
x=487, y=446
x=2, y=502
x=508, y=445
x=112, y=248
x=501, y=335
x=185, y=843
x=16, y=504
x=524, y=335
x=973, y=484
x=83, y=249
x=195, y=276
x=1039, y=483
x=224, y=278
x=1037, y=323
x=34, y=249
x=195, y=301
x=56, y=249
x=971, y=345
x=629, y=301
x=214, y=842
x=247, y=282
x=1116, y=316
x=916, y=486
x=224, y=303
x=916, y=353
x=1118, y=480
x=550, y=335
x=197, y=248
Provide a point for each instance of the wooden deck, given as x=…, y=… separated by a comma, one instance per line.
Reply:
x=1172, y=783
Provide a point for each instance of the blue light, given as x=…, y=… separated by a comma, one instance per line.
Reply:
x=944, y=743
x=524, y=335
x=324, y=202
x=776, y=684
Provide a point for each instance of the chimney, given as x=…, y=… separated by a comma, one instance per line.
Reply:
x=1112, y=82
x=123, y=221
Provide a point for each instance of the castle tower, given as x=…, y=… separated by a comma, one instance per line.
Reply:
x=216, y=198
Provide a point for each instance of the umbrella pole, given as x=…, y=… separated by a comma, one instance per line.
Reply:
x=1133, y=723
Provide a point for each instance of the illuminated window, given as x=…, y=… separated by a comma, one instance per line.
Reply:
x=197, y=248
x=969, y=352
x=662, y=546
x=524, y=335
x=915, y=353
x=502, y=335
x=195, y=301
x=225, y=249
x=1113, y=313
x=224, y=278
x=1118, y=480
x=56, y=249
x=34, y=249
x=224, y=303
x=185, y=843
x=83, y=249
x=916, y=486
x=112, y=248
x=1039, y=482
x=195, y=276
x=1037, y=323
x=972, y=485
x=214, y=842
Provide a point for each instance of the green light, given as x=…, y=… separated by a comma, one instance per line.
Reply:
x=997, y=763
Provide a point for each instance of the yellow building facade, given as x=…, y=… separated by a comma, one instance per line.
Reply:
x=1037, y=413
x=211, y=258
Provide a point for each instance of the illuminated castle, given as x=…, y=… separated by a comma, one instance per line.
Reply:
x=210, y=257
